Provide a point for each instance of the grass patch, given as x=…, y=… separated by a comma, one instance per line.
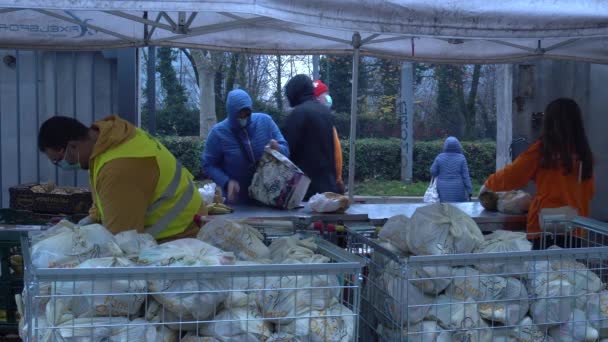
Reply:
x=378, y=187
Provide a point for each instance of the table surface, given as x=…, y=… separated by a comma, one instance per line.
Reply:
x=363, y=212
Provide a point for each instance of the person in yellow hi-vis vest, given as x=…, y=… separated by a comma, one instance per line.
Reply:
x=135, y=181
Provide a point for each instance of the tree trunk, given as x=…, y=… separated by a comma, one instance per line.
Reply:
x=278, y=93
x=206, y=70
x=470, y=106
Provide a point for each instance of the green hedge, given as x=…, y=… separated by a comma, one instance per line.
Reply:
x=376, y=158
x=187, y=150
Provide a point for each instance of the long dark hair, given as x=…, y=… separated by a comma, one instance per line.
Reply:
x=564, y=141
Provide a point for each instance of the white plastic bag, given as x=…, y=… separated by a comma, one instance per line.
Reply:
x=502, y=241
x=577, y=329
x=334, y=324
x=156, y=313
x=208, y=192
x=402, y=300
x=185, y=296
x=514, y=202
x=596, y=307
x=192, y=337
x=442, y=229
x=243, y=240
x=554, y=297
x=132, y=242
x=252, y=282
x=395, y=230
x=431, y=195
x=243, y=323
x=464, y=317
x=504, y=300
x=123, y=297
x=525, y=331
x=292, y=247
x=425, y=331
x=291, y=294
x=70, y=248
x=328, y=203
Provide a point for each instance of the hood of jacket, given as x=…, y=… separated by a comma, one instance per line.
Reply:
x=237, y=100
x=113, y=131
x=299, y=89
x=452, y=145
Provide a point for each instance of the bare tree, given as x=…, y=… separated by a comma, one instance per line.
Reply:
x=206, y=64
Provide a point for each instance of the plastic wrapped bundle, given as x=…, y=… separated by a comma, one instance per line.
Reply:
x=462, y=317
x=244, y=241
x=184, y=296
x=402, y=300
x=132, y=243
x=123, y=297
x=577, y=329
x=503, y=241
x=70, y=247
x=334, y=324
x=438, y=229
x=395, y=230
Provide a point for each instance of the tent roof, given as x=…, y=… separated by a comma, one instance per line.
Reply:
x=474, y=31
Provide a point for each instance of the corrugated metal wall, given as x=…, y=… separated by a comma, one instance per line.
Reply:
x=37, y=86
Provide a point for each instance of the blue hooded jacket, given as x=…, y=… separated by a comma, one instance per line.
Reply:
x=452, y=173
x=223, y=158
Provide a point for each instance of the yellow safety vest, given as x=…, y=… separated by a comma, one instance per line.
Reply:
x=176, y=199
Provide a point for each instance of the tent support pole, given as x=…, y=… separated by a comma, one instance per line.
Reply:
x=353, y=116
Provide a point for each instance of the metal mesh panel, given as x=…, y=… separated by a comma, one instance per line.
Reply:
x=557, y=290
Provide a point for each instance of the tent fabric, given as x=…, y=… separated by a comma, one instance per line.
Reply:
x=475, y=31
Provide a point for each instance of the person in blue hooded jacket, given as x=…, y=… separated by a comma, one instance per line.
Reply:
x=452, y=173
x=235, y=145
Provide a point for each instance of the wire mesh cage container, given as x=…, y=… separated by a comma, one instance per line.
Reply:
x=187, y=291
x=552, y=288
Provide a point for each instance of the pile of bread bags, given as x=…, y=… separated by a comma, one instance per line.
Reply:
x=497, y=300
x=237, y=306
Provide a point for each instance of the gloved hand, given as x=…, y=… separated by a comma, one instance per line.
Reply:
x=86, y=221
x=233, y=190
x=273, y=144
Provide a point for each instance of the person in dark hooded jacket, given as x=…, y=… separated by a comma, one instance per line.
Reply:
x=309, y=133
x=235, y=145
x=452, y=173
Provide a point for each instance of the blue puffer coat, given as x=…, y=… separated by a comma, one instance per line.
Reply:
x=452, y=173
x=223, y=158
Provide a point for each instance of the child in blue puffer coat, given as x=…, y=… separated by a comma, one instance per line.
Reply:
x=452, y=173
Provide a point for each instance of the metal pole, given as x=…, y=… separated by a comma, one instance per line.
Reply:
x=353, y=116
x=315, y=67
x=151, y=88
x=406, y=106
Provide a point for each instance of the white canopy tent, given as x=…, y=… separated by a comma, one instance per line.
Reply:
x=475, y=31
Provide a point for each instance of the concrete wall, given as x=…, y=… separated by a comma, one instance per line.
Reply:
x=42, y=84
x=533, y=86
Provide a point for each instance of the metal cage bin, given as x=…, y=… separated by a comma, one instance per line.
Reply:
x=554, y=292
x=261, y=302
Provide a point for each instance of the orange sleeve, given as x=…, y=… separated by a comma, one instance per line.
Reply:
x=338, y=156
x=517, y=174
x=126, y=189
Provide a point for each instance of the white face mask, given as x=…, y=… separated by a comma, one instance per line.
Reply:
x=243, y=122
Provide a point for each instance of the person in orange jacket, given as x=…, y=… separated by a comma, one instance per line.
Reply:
x=560, y=163
x=321, y=93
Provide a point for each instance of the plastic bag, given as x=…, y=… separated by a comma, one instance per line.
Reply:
x=93, y=329
x=442, y=229
x=514, y=202
x=156, y=313
x=582, y=278
x=70, y=248
x=402, y=300
x=503, y=241
x=192, y=337
x=461, y=316
x=395, y=230
x=425, y=331
x=244, y=323
x=334, y=324
x=123, y=297
x=208, y=192
x=431, y=195
x=184, y=296
x=504, y=300
x=243, y=240
x=554, y=296
x=291, y=294
x=292, y=247
x=577, y=329
x=132, y=242
x=596, y=307
x=328, y=202
x=525, y=331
